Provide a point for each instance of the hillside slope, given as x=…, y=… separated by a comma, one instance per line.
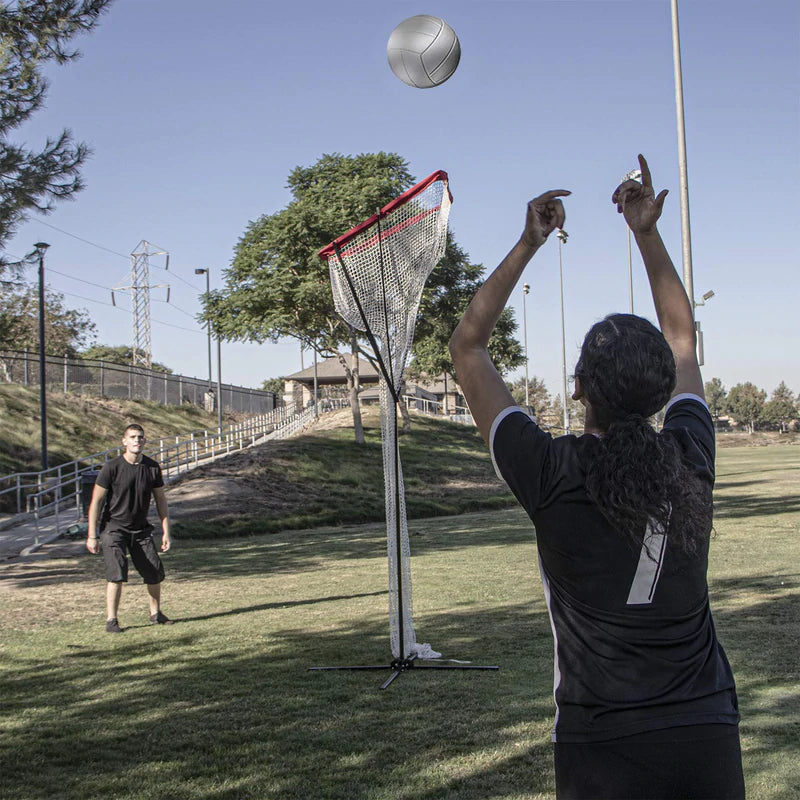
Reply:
x=80, y=425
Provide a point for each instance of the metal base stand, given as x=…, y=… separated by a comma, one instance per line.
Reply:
x=400, y=665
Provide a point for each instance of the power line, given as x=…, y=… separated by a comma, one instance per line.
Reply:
x=81, y=239
x=108, y=250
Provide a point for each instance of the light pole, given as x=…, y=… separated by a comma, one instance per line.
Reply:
x=633, y=175
x=686, y=233
x=562, y=239
x=525, y=289
x=206, y=272
x=41, y=248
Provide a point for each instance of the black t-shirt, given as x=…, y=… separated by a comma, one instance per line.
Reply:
x=130, y=487
x=635, y=645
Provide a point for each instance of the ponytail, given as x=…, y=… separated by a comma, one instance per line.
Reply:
x=635, y=475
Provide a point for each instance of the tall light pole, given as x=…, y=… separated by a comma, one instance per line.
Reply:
x=41, y=248
x=525, y=289
x=207, y=272
x=633, y=175
x=562, y=238
x=686, y=233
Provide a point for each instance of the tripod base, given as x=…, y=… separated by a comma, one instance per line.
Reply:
x=400, y=665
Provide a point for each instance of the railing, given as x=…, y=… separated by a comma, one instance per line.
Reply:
x=436, y=408
x=58, y=490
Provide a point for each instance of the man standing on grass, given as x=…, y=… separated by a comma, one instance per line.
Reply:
x=129, y=481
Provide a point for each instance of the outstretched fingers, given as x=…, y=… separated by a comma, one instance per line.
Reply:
x=647, y=179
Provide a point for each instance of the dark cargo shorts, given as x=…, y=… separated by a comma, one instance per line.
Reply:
x=140, y=544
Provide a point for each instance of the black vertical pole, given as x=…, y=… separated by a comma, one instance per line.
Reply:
x=40, y=249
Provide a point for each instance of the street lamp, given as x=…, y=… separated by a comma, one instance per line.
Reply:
x=206, y=272
x=562, y=239
x=633, y=175
x=525, y=289
x=41, y=248
x=698, y=331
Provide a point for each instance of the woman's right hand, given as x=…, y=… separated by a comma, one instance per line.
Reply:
x=637, y=201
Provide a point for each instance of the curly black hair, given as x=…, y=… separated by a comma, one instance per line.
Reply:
x=635, y=475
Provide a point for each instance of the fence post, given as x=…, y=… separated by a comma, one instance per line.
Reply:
x=166, y=398
x=65, y=373
x=130, y=382
x=102, y=379
x=27, y=378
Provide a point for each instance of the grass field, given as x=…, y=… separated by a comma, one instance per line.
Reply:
x=221, y=705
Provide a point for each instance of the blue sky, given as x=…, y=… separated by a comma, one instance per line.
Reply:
x=197, y=111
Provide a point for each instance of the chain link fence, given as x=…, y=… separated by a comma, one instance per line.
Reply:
x=107, y=379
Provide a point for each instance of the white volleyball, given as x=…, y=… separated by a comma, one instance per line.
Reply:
x=423, y=51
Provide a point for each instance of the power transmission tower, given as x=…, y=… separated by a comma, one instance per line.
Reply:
x=139, y=288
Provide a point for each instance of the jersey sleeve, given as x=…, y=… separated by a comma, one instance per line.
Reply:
x=105, y=476
x=688, y=419
x=521, y=455
x=158, y=478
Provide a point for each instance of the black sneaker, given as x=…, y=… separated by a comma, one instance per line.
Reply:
x=112, y=626
x=160, y=619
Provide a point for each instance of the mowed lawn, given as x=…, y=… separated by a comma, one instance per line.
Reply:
x=222, y=705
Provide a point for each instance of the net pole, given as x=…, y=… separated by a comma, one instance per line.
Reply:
x=398, y=532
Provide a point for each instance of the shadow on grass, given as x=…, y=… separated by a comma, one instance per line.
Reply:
x=228, y=710
x=755, y=505
x=291, y=551
x=161, y=717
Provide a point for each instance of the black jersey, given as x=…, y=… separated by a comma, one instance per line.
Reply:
x=130, y=487
x=635, y=645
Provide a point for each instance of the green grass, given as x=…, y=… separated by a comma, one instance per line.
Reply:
x=221, y=705
x=324, y=478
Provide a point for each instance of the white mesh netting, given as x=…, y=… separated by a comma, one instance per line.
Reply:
x=383, y=268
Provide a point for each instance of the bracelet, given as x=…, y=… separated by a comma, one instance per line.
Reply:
x=91, y=537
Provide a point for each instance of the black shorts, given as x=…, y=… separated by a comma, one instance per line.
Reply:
x=140, y=544
x=701, y=761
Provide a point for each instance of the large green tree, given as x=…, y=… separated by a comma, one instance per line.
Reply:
x=746, y=404
x=538, y=395
x=33, y=33
x=781, y=409
x=277, y=286
x=119, y=354
x=66, y=329
x=448, y=292
x=716, y=397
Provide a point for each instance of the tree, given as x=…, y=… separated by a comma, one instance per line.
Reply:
x=121, y=354
x=716, y=397
x=66, y=330
x=781, y=408
x=746, y=404
x=277, y=285
x=554, y=416
x=33, y=32
x=448, y=292
x=538, y=396
x=274, y=385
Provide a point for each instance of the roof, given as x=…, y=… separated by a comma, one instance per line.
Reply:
x=330, y=371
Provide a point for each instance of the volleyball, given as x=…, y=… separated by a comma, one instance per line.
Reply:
x=423, y=51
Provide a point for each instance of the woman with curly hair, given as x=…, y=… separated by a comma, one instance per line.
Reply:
x=645, y=698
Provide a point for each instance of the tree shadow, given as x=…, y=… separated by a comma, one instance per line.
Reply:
x=756, y=505
x=255, y=723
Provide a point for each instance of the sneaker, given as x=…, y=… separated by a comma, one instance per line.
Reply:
x=160, y=619
x=112, y=626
